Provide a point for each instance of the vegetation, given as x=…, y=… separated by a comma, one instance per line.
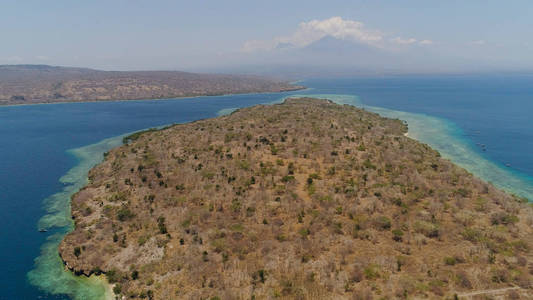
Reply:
x=342, y=206
x=30, y=84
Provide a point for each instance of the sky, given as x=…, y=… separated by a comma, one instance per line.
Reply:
x=467, y=35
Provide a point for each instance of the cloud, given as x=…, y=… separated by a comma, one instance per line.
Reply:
x=312, y=31
x=337, y=27
x=14, y=59
x=256, y=45
x=401, y=41
x=42, y=57
x=410, y=41
x=478, y=43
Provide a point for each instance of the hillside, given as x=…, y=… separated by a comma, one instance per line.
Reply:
x=301, y=200
x=30, y=84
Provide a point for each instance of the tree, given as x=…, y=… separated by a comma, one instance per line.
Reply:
x=134, y=275
x=161, y=225
x=77, y=251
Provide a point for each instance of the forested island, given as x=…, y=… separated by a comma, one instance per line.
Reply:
x=31, y=84
x=302, y=200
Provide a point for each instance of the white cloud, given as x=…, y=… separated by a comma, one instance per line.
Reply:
x=478, y=43
x=255, y=45
x=14, y=59
x=401, y=41
x=410, y=41
x=309, y=32
x=337, y=27
x=42, y=57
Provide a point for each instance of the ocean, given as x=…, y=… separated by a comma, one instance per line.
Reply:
x=483, y=123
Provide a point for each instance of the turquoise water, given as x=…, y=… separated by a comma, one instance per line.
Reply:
x=450, y=141
x=48, y=273
x=494, y=112
x=43, y=160
x=44, y=157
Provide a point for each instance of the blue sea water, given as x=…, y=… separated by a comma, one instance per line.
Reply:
x=496, y=111
x=481, y=122
x=37, y=145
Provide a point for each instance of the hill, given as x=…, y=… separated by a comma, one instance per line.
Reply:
x=301, y=200
x=30, y=84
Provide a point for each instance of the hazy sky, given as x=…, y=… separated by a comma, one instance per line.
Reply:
x=135, y=34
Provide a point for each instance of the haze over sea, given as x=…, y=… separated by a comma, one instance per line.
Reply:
x=484, y=123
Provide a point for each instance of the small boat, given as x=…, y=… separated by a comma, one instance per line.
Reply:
x=42, y=230
x=507, y=165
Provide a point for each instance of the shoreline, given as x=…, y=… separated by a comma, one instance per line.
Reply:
x=50, y=272
x=92, y=155
x=296, y=88
x=89, y=156
x=448, y=139
x=405, y=134
x=54, y=278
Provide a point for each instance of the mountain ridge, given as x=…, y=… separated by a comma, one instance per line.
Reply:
x=32, y=84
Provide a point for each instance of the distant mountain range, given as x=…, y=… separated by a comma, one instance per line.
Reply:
x=331, y=56
x=30, y=84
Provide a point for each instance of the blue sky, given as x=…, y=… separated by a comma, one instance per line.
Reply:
x=137, y=34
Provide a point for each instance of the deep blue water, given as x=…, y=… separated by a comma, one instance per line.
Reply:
x=496, y=111
x=490, y=110
x=33, y=144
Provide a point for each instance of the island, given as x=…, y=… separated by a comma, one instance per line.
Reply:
x=32, y=84
x=307, y=199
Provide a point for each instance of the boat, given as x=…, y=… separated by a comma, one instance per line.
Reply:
x=42, y=230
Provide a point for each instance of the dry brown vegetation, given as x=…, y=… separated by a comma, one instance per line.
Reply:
x=302, y=200
x=30, y=84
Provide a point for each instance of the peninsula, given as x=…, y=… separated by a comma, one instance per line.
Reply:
x=301, y=200
x=32, y=84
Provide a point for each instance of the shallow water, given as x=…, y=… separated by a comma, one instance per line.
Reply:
x=39, y=144
x=453, y=115
x=48, y=273
x=491, y=110
x=447, y=138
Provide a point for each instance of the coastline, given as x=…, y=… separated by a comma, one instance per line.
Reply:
x=445, y=137
x=219, y=113
x=296, y=88
x=50, y=273
x=58, y=205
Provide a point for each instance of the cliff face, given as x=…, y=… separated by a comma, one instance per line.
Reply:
x=304, y=200
x=30, y=84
